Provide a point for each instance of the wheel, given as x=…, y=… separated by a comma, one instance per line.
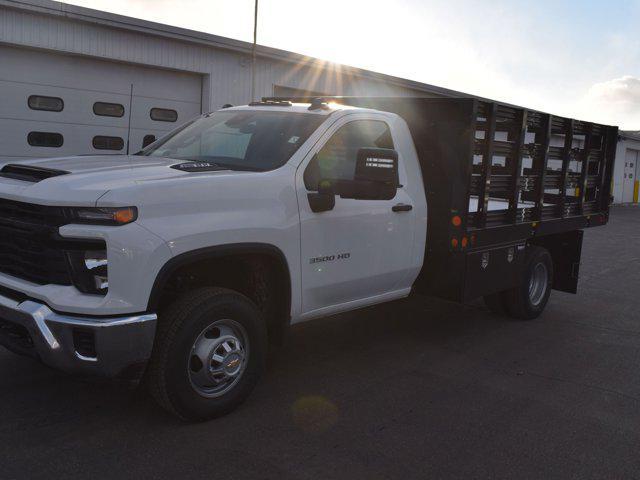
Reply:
x=209, y=353
x=528, y=299
x=496, y=303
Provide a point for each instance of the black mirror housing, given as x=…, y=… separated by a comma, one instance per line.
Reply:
x=376, y=175
x=379, y=165
x=375, y=178
x=324, y=199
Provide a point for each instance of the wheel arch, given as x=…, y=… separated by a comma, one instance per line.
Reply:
x=227, y=252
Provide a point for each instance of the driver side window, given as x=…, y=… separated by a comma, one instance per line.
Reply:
x=337, y=158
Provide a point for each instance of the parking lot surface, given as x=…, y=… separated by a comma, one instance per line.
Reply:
x=416, y=389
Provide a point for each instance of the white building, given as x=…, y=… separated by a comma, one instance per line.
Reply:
x=626, y=171
x=75, y=80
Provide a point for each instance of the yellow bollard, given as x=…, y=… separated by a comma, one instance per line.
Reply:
x=636, y=188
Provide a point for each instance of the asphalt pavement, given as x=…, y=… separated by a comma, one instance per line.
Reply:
x=416, y=389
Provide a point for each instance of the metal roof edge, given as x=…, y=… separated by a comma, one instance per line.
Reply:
x=629, y=135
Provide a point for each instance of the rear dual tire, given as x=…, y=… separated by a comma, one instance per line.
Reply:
x=528, y=299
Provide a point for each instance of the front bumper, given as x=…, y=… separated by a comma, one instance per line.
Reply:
x=111, y=347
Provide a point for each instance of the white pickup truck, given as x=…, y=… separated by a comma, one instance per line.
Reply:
x=180, y=263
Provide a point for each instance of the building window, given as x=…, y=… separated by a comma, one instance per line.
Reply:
x=48, y=104
x=108, y=109
x=163, y=115
x=108, y=143
x=45, y=139
x=148, y=140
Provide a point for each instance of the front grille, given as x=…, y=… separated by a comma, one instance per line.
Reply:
x=30, y=245
x=13, y=294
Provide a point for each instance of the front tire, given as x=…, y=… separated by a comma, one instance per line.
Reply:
x=209, y=353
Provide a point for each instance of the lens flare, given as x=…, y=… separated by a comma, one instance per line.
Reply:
x=314, y=414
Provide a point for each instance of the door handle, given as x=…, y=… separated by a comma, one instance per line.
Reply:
x=402, y=207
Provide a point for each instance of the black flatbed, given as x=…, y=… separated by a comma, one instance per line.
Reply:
x=499, y=177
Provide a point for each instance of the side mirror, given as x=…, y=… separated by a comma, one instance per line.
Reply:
x=376, y=175
x=378, y=165
x=324, y=199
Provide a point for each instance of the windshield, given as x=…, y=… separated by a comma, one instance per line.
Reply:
x=240, y=140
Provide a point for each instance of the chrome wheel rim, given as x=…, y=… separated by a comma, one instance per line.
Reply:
x=538, y=283
x=218, y=358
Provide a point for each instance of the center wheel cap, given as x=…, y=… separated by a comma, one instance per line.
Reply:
x=218, y=358
x=225, y=358
x=232, y=363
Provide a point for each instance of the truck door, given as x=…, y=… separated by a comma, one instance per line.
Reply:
x=360, y=251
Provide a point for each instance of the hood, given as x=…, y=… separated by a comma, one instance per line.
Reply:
x=81, y=180
x=100, y=163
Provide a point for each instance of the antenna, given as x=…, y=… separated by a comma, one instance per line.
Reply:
x=253, y=52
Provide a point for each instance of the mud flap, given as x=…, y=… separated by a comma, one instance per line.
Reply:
x=565, y=249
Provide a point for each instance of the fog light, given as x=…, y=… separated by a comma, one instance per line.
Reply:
x=84, y=342
x=90, y=270
x=94, y=260
x=96, y=263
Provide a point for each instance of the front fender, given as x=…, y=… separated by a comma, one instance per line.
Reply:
x=219, y=251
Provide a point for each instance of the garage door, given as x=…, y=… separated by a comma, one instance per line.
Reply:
x=56, y=105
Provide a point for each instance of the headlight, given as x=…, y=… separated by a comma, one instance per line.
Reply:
x=89, y=270
x=103, y=215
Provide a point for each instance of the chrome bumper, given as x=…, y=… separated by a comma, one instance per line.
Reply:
x=110, y=347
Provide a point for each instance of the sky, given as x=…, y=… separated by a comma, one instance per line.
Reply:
x=573, y=58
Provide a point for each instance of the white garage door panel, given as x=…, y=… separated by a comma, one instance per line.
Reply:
x=78, y=105
x=75, y=137
x=81, y=82
x=142, y=124
x=46, y=68
x=141, y=112
x=167, y=85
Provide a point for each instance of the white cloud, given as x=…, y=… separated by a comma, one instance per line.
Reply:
x=621, y=92
x=615, y=101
